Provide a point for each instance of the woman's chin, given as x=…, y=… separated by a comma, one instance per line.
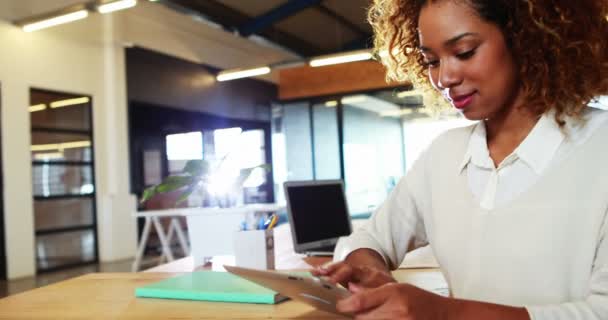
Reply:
x=472, y=115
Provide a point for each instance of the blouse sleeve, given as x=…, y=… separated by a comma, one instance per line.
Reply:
x=396, y=226
x=595, y=305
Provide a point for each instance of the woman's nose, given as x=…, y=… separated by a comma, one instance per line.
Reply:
x=448, y=75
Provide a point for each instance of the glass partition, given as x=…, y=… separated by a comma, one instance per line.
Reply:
x=373, y=151
x=291, y=145
x=63, y=179
x=326, y=142
x=367, y=139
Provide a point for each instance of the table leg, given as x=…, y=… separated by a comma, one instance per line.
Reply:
x=142, y=245
x=180, y=236
x=163, y=240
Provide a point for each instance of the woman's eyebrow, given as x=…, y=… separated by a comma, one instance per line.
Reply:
x=451, y=41
x=455, y=39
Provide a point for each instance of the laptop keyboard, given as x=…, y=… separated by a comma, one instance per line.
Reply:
x=325, y=249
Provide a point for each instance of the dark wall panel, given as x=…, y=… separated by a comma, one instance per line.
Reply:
x=168, y=95
x=163, y=80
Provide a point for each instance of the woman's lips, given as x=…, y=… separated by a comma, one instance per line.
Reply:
x=461, y=102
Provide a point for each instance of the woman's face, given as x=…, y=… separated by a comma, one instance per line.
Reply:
x=467, y=59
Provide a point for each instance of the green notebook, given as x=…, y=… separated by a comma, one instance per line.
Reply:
x=209, y=286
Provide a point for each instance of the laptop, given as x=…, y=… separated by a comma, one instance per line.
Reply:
x=318, y=215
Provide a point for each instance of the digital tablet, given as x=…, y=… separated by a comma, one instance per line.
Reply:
x=311, y=290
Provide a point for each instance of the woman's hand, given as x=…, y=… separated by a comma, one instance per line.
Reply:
x=344, y=273
x=394, y=301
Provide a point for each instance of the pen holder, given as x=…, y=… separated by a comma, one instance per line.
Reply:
x=254, y=249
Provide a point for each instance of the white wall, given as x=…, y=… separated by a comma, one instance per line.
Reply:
x=72, y=59
x=87, y=57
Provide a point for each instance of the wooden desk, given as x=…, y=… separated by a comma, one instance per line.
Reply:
x=111, y=296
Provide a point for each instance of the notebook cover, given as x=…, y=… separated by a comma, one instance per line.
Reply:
x=209, y=286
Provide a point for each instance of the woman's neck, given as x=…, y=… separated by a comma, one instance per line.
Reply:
x=506, y=131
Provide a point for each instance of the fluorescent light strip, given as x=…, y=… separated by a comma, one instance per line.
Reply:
x=37, y=107
x=81, y=14
x=409, y=93
x=69, y=102
x=61, y=146
x=332, y=103
x=353, y=99
x=116, y=5
x=396, y=113
x=237, y=74
x=342, y=58
x=48, y=155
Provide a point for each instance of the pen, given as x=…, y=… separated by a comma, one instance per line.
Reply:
x=271, y=222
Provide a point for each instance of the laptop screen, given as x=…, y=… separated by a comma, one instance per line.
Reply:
x=318, y=211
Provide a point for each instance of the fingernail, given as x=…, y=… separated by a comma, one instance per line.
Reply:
x=352, y=287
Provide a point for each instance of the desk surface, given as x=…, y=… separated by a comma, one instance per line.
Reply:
x=111, y=296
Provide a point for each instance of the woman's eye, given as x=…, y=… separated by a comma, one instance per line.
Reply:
x=465, y=55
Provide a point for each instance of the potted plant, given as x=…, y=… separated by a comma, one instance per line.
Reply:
x=196, y=176
x=210, y=231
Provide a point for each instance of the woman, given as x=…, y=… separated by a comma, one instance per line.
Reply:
x=514, y=207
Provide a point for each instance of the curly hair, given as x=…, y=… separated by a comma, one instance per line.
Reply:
x=560, y=47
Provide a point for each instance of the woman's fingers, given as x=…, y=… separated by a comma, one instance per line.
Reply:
x=366, y=299
x=371, y=277
x=355, y=288
x=325, y=270
x=343, y=275
x=338, y=272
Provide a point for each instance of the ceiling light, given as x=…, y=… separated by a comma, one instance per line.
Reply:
x=37, y=107
x=53, y=21
x=341, y=58
x=60, y=146
x=116, y=5
x=408, y=93
x=48, y=156
x=395, y=113
x=237, y=74
x=332, y=103
x=75, y=144
x=69, y=102
x=353, y=99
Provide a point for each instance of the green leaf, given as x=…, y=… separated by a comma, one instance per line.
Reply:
x=184, y=195
x=246, y=172
x=148, y=193
x=196, y=167
x=172, y=183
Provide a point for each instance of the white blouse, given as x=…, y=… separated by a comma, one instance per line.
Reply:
x=532, y=232
x=545, y=146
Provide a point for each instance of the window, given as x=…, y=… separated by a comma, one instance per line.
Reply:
x=182, y=147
